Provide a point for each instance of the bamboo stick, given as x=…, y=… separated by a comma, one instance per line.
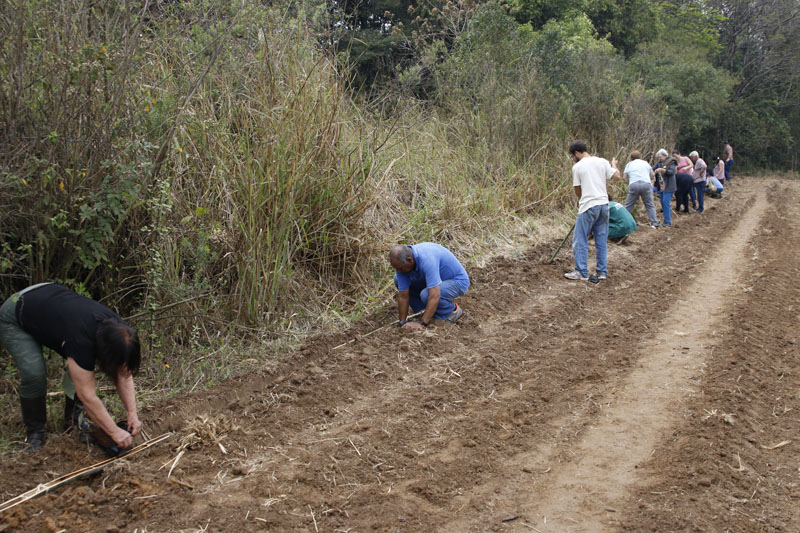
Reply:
x=44, y=488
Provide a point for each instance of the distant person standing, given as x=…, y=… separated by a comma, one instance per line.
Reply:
x=640, y=179
x=699, y=179
x=665, y=168
x=589, y=176
x=727, y=157
x=719, y=169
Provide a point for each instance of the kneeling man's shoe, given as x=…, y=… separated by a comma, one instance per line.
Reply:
x=455, y=315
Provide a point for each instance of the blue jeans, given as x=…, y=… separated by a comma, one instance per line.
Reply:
x=666, y=201
x=728, y=165
x=698, y=188
x=449, y=291
x=593, y=220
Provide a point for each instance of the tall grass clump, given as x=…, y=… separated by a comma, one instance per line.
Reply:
x=284, y=168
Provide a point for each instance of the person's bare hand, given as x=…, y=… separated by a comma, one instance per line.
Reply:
x=134, y=425
x=413, y=326
x=122, y=438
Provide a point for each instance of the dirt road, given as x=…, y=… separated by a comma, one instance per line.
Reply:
x=665, y=398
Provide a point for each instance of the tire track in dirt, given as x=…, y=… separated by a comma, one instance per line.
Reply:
x=732, y=462
x=581, y=494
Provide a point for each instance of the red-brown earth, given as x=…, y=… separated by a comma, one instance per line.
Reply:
x=664, y=398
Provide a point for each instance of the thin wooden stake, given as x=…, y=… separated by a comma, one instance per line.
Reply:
x=44, y=488
x=314, y=519
x=375, y=331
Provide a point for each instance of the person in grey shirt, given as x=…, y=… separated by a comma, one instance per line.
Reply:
x=640, y=185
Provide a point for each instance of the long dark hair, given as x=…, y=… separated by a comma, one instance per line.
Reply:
x=117, y=345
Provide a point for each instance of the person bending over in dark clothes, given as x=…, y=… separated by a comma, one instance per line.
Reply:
x=684, y=183
x=89, y=336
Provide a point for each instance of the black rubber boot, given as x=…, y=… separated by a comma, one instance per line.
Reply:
x=34, y=415
x=75, y=417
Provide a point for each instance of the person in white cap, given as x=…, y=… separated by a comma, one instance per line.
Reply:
x=699, y=183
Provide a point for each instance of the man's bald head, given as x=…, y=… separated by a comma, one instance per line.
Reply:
x=402, y=258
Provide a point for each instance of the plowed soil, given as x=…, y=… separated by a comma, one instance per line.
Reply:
x=663, y=399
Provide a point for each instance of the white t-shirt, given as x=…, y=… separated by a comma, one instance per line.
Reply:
x=638, y=170
x=591, y=173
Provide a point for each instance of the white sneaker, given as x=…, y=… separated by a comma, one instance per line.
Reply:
x=577, y=276
x=601, y=277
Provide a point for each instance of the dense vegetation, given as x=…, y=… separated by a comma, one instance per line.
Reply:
x=235, y=170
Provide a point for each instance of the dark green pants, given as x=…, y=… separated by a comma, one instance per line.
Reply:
x=27, y=352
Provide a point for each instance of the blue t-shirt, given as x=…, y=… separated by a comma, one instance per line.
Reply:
x=434, y=264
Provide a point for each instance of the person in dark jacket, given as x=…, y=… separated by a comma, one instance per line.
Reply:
x=87, y=335
x=665, y=168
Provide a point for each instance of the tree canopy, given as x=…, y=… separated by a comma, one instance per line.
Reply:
x=720, y=69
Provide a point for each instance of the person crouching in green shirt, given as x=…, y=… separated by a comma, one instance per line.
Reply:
x=620, y=222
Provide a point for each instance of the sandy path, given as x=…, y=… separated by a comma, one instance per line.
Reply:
x=581, y=494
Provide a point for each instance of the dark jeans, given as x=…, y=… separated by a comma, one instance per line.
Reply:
x=697, y=190
x=728, y=165
x=666, y=207
x=684, y=182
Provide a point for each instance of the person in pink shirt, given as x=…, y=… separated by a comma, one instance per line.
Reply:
x=719, y=169
x=685, y=165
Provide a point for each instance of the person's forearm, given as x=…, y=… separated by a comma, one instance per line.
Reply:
x=402, y=305
x=127, y=394
x=430, y=308
x=97, y=412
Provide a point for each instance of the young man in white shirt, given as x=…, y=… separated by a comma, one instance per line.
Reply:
x=589, y=176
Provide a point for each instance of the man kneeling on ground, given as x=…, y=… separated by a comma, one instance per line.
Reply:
x=427, y=276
